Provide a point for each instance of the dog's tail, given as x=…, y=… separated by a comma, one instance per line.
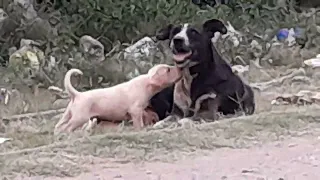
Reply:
x=67, y=82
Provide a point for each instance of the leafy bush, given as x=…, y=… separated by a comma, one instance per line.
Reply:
x=112, y=20
x=129, y=20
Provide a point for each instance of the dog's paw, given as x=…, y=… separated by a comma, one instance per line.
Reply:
x=90, y=124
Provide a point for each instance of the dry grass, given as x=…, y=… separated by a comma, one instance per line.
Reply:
x=35, y=151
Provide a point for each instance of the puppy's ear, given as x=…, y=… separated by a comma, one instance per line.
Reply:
x=164, y=33
x=214, y=25
x=157, y=79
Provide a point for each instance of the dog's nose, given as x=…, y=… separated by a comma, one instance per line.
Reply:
x=179, y=45
x=178, y=42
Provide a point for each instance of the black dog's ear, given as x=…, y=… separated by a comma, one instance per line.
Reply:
x=164, y=33
x=214, y=25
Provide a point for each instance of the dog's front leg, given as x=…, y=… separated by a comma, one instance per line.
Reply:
x=194, y=103
x=177, y=111
x=63, y=121
x=213, y=105
x=137, y=118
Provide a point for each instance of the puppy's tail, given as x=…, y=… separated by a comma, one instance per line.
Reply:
x=67, y=82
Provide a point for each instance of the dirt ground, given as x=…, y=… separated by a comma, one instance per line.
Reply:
x=294, y=158
x=282, y=143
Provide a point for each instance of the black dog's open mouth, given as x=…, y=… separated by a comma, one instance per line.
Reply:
x=180, y=57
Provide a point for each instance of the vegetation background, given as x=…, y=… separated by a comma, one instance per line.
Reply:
x=57, y=28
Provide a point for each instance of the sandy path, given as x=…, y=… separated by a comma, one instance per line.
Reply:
x=296, y=158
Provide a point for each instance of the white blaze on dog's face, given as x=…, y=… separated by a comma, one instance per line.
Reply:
x=180, y=45
x=163, y=75
x=182, y=35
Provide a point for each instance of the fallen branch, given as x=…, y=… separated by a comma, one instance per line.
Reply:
x=276, y=82
x=29, y=150
x=32, y=115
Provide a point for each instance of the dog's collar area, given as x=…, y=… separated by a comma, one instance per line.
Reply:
x=186, y=64
x=182, y=64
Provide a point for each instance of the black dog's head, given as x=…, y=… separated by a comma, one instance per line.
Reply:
x=187, y=42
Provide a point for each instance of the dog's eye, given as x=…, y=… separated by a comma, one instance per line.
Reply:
x=194, y=32
x=168, y=69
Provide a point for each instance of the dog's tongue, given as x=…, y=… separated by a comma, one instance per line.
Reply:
x=181, y=57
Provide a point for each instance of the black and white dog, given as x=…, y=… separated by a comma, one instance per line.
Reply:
x=193, y=50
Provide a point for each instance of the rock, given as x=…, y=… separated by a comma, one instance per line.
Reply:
x=132, y=61
x=92, y=48
x=28, y=42
x=4, y=96
x=313, y=62
x=145, y=47
x=280, y=54
x=256, y=49
x=3, y=17
x=257, y=73
x=242, y=71
x=309, y=3
x=3, y=140
x=26, y=8
x=26, y=61
x=12, y=50
x=303, y=97
x=60, y=103
x=163, y=123
x=234, y=36
x=160, y=125
x=16, y=103
x=142, y=53
x=35, y=28
x=56, y=117
x=186, y=122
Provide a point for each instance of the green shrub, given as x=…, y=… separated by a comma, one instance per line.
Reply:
x=128, y=20
x=125, y=20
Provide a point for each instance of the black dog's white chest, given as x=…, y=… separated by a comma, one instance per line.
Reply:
x=182, y=91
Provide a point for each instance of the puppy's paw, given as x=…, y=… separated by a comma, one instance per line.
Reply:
x=90, y=124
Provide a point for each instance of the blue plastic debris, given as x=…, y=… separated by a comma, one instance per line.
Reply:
x=282, y=34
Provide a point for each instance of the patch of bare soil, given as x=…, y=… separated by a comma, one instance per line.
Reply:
x=296, y=158
x=35, y=152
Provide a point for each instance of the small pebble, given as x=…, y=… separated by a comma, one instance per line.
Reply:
x=261, y=178
x=118, y=176
x=292, y=145
x=224, y=178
